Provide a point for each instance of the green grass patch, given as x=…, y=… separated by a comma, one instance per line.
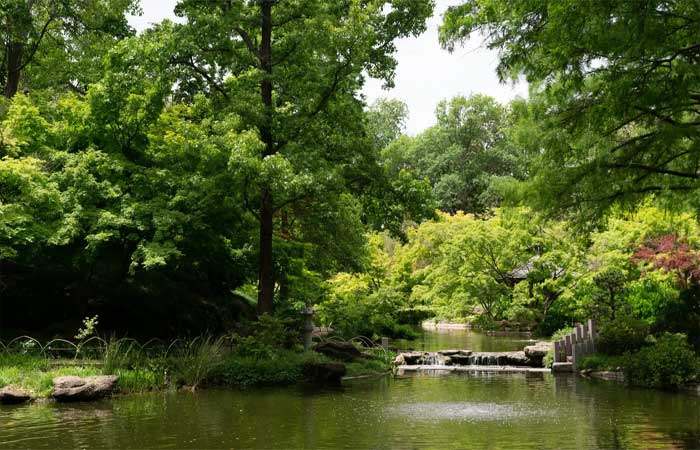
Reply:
x=367, y=367
x=202, y=361
x=37, y=376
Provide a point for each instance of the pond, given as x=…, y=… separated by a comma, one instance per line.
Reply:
x=479, y=410
x=461, y=339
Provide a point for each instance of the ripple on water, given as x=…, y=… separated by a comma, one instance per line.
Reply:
x=467, y=411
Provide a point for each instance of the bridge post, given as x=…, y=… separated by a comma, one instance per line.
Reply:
x=592, y=333
x=385, y=343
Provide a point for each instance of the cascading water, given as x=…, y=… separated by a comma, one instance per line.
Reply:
x=434, y=359
x=468, y=358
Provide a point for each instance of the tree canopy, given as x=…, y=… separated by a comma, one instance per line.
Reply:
x=617, y=92
x=196, y=162
x=202, y=173
x=58, y=44
x=465, y=156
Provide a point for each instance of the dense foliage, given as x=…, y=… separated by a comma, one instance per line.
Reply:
x=200, y=176
x=466, y=156
x=615, y=92
x=193, y=162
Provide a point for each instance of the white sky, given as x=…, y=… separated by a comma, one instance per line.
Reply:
x=425, y=75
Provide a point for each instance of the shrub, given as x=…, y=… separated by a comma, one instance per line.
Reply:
x=269, y=334
x=560, y=333
x=682, y=315
x=668, y=363
x=548, y=359
x=285, y=367
x=355, y=309
x=651, y=296
x=599, y=361
x=623, y=334
x=485, y=322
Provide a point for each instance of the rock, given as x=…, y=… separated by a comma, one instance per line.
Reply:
x=461, y=360
x=12, y=395
x=411, y=358
x=608, y=375
x=467, y=358
x=324, y=373
x=562, y=367
x=536, y=353
x=455, y=352
x=494, y=359
x=344, y=351
x=538, y=350
x=73, y=389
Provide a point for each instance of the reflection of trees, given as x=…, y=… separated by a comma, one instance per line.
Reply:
x=621, y=417
x=559, y=412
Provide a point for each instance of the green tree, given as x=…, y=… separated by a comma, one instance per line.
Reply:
x=386, y=121
x=617, y=90
x=58, y=43
x=291, y=70
x=121, y=196
x=464, y=155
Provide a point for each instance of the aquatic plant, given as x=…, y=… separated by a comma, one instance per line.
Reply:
x=197, y=360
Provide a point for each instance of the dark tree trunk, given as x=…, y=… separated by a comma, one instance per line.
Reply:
x=266, y=279
x=283, y=281
x=15, y=52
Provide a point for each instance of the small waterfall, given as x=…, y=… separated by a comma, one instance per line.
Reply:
x=468, y=358
x=434, y=359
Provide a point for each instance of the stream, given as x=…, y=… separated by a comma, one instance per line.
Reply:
x=425, y=410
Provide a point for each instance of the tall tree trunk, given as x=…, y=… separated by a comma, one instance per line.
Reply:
x=283, y=281
x=266, y=280
x=15, y=52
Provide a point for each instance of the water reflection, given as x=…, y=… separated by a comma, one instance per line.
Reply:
x=444, y=339
x=445, y=410
x=458, y=411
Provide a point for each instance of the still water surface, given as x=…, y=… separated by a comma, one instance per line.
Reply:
x=445, y=339
x=436, y=411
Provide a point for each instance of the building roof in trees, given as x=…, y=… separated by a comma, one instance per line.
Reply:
x=522, y=272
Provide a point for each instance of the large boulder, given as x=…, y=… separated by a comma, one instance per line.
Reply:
x=538, y=349
x=399, y=360
x=343, y=351
x=562, y=367
x=74, y=389
x=324, y=373
x=409, y=358
x=537, y=352
x=13, y=395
